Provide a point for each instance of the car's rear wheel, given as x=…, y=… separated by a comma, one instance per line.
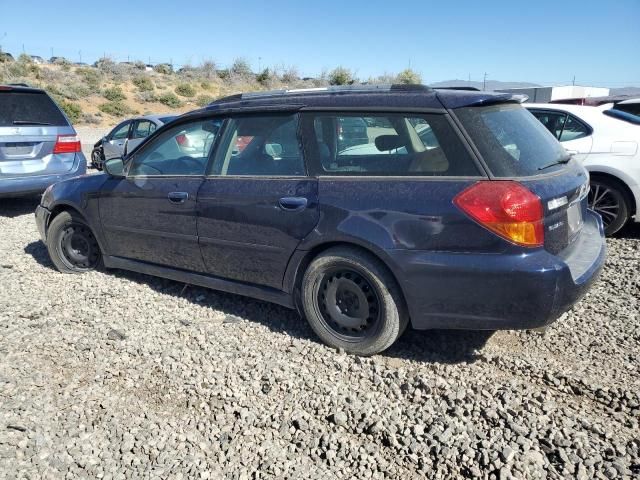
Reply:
x=71, y=244
x=352, y=301
x=608, y=198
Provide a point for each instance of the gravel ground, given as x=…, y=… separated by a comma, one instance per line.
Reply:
x=119, y=375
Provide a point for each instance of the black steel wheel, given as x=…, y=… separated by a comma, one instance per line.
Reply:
x=348, y=304
x=72, y=246
x=607, y=198
x=96, y=159
x=352, y=301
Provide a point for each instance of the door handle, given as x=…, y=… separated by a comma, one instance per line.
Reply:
x=293, y=203
x=178, y=197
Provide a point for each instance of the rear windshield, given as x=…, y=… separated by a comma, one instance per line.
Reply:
x=511, y=140
x=29, y=108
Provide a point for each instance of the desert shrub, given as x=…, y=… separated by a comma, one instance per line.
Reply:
x=170, y=100
x=163, y=68
x=90, y=119
x=24, y=58
x=409, y=77
x=223, y=74
x=241, y=67
x=264, y=77
x=185, y=90
x=139, y=65
x=289, y=75
x=72, y=110
x=208, y=68
x=341, y=76
x=204, y=100
x=205, y=85
x=145, y=97
x=114, y=94
x=116, y=109
x=91, y=76
x=144, y=84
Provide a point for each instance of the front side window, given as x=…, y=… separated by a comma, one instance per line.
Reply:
x=511, y=140
x=120, y=132
x=260, y=146
x=386, y=144
x=181, y=150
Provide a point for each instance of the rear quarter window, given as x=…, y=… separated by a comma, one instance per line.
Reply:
x=25, y=108
x=385, y=144
x=512, y=142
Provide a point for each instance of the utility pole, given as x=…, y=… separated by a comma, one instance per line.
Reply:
x=574, y=80
x=80, y=55
x=484, y=81
x=23, y=52
x=259, y=64
x=51, y=52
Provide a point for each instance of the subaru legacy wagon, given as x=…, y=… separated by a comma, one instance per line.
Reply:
x=38, y=145
x=455, y=209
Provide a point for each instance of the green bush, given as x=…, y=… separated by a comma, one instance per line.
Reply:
x=90, y=76
x=71, y=110
x=114, y=94
x=205, y=85
x=144, y=84
x=409, y=77
x=164, y=68
x=185, y=90
x=341, y=76
x=204, y=100
x=241, y=67
x=116, y=109
x=264, y=77
x=170, y=100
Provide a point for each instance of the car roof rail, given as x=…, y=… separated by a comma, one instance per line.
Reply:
x=365, y=88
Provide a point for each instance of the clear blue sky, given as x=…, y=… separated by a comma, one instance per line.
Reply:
x=537, y=40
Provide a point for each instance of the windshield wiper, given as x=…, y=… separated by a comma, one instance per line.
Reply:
x=562, y=161
x=29, y=122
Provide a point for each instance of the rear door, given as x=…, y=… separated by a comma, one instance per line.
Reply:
x=574, y=134
x=514, y=145
x=115, y=142
x=30, y=123
x=258, y=203
x=151, y=215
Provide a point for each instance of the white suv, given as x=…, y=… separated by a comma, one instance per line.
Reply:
x=606, y=142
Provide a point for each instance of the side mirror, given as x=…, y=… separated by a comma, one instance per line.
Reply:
x=114, y=167
x=273, y=149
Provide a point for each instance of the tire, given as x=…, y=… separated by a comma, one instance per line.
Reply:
x=97, y=160
x=71, y=244
x=609, y=199
x=353, y=302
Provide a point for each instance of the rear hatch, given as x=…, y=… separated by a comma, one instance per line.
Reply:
x=515, y=146
x=30, y=123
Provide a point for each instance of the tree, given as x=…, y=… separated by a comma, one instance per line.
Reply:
x=409, y=77
x=341, y=76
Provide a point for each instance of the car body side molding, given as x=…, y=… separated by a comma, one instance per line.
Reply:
x=254, y=291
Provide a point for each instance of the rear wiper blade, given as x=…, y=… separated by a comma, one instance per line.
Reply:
x=557, y=162
x=29, y=122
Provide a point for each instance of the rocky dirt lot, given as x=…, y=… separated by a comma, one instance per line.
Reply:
x=120, y=375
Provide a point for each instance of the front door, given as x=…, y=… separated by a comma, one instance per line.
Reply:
x=258, y=203
x=151, y=214
x=114, y=143
x=140, y=130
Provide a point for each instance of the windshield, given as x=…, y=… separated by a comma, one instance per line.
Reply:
x=29, y=108
x=511, y=141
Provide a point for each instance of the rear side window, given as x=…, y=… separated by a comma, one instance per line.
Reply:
x=385, y=144
x=29, y=108
x=511, y=140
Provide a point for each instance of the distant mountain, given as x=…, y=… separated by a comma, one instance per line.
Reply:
x=491, y=84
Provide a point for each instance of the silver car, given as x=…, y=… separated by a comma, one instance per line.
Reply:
x=125, y=137
x=38, y=145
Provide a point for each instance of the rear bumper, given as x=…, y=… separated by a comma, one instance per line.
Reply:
x=498, y=291
x=32, y=184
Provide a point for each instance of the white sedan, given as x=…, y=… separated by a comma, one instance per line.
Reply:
x=606, y=142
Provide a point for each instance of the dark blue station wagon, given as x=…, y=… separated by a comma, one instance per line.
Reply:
x=446, y=209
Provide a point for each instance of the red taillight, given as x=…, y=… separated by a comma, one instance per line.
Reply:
x=67, y=144
x=506, y=208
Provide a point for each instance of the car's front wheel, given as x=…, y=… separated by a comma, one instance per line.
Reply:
x=609, y=199
x=352, y=301
x=71, y=244
x=96, y=159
